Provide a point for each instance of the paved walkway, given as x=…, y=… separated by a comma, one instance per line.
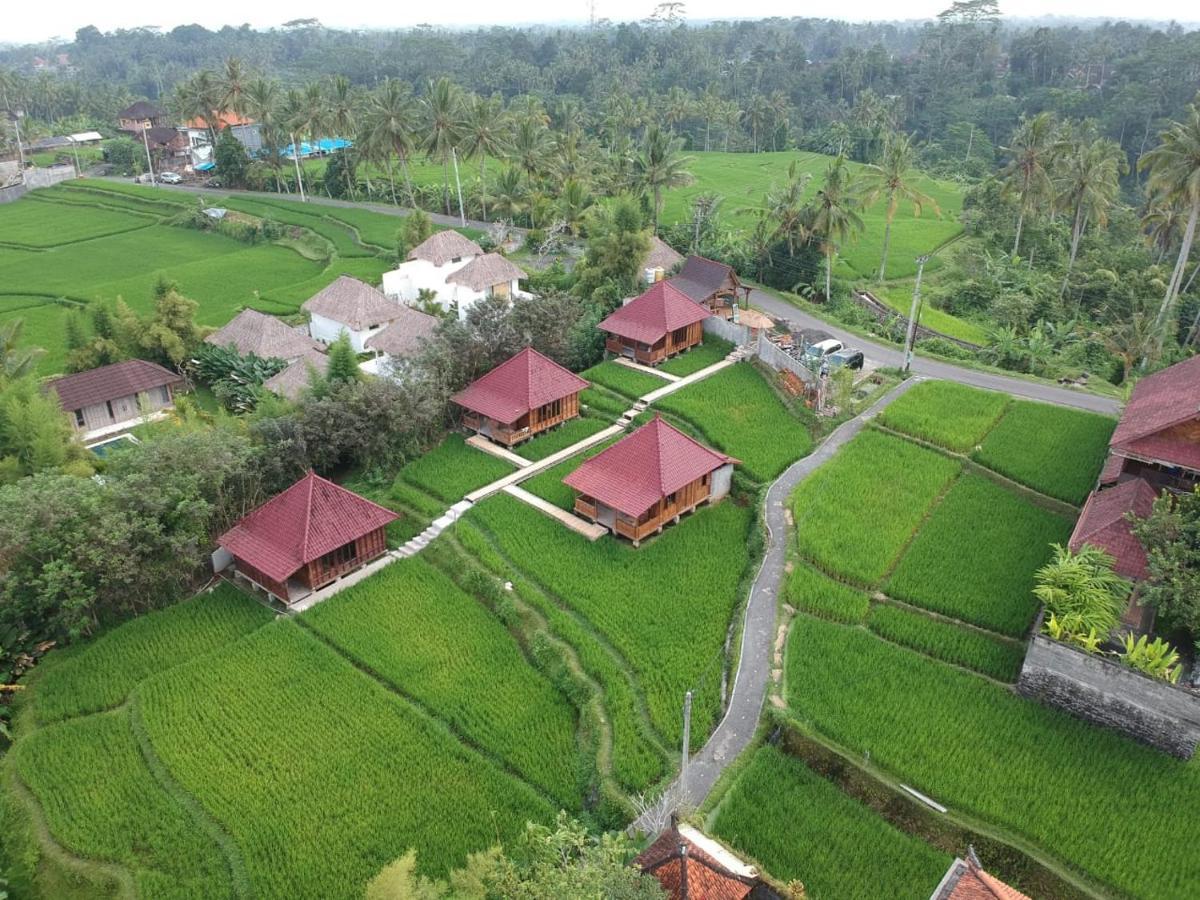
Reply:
x=649, y=370
x=479, y=442
x=589, y=530
x=932, y=368
x=753, y=677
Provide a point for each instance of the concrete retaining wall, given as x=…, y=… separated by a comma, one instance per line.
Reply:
x=722, y=328
x=12, y=193
x=36, y=178
x=778, y=360
x=1111, y=694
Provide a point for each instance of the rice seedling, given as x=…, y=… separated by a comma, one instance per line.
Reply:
x=948, y=642
x=452, y=469
x=856, y=512
x=739, y=413
x=550, y=442
x=975, y=557
x=622, y=380
x=602, y=402
x=461, y=664
x=41, y=225
x=548, y=484
x=713, y=350
x=800, y=826
x=342, y=239
x=816, y=593
x=1051, y=449
x=947, y=414
x=977, y=747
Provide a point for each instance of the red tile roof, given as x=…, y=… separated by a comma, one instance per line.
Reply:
x=966, y=880
x=1113, y=467
x=687, y=872
x=1103, y=525
x=224, y=120
x=524, y=382
x=123, y=379
x=649, y=316
x=301, y=524
x=1160, y=401
x=701, y=277
x=637, y=471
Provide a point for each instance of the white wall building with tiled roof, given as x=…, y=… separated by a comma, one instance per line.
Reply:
x=455, y=272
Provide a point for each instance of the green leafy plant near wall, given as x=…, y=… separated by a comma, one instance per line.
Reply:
x=1083, y=595
x=1156, y=658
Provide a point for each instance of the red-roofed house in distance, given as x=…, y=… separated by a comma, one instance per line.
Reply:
x=520, y=398
x=712, y=284
x=306, y=537
x=649, y=479
x=692, y=866
x=655, y=325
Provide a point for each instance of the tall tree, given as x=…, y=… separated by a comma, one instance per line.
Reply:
x=1087, y=180
x=785, y=205
x=835, y=216
x=893, y=178
x=443, y=124
x=484, y=135
x=1027, y=174
x=391, y=118
x=232, y=83
x=15, y=362
x=661, y=166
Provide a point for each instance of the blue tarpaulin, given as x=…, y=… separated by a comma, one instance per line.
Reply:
x=324, y=145
x=205, y=166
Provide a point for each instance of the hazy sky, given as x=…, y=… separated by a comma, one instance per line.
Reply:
x=25, y=22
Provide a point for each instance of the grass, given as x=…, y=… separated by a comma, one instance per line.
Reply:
x=800, y=826
x=603, y=402
x=740, y=414
x=713, y=350
x=899, y=298
x=30, y=224
x=548, y=484
x=948, y=642
x=453, y=469
x=857, y=512
x=975, y=557
x=665, y=607
x=947, y=414
x=980, y=749
x=341, y=238
x=550, y=442
x=815, y=593
x=1053, y=450
x=622, y=380
x=463, y=665
x=319, y=773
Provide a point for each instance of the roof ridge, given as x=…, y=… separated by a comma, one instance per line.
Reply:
x=311, y=478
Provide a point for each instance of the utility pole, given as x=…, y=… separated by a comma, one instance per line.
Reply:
x=912, y=314
x=687, y=739
x=462, y=216
x=16, y=120
x=149, y=162
x=296, y=160
x=75, y=150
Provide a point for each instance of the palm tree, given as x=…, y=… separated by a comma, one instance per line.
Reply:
x=1028, y=171
x=392, y=120
x=260, y=101
x=510, y=199
x=442, y=123
x=1162, y=222
x=201, y=97
x=1088, y=186
x=835, y=215
x=15, y=363
x=529, y=147
x=299, y=116
x=484, y=134
x=755, y=116
x=785, y=206
x=573, y=203
x=232, y=85
x=660, y=166
x=341, y=115
x=892, y=179
x=1174, y=167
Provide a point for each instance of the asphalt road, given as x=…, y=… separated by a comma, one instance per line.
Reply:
x=931, y=368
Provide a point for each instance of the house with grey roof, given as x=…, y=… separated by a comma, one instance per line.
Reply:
x=402, y=339
x=252, y=332
x=352, y=307
x=452, y=270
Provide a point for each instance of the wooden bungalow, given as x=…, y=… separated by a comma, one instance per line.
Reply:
x=111, y=399
x=521, y=397
x=712, y=284
x=655, y=325
x=966, y=880
x=649, y=479
x=306, y=537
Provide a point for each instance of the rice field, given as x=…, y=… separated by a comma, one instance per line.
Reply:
x=601, y=402
x=1053, y=450
x=799, y=826
x=947, y=414
x=550, y=442
x=975, y=557
x=978, y=748
x=948, y=642
x=820, y=595
x=548, y=484
x=453, y=469
x=627, y=382
x=28, y=224
x=713, y=350
x=738, y=413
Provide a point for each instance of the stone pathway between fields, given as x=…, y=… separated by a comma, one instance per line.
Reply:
x=737, y=728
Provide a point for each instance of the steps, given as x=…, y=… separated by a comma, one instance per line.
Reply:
x=440, y=524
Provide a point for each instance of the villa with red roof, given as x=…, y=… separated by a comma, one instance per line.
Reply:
x=306, y=537
x=655, y=325
x=692, y=866
x=520, y=398
x=966, y=880
x=649, y=479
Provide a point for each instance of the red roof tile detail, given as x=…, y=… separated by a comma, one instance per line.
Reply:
x=686, y=872
x=651, y=315
x=301, y=524
x=1103, y=525
x=123, y=379
x=519, y=384
x=1158, y=402
x=1113, y=467
x=1166, y=447
x=637, y=471
x=967, y=881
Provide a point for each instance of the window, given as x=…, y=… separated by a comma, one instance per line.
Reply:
x=671, y=497
x=79, y=418
x=112, y=415
x=679, y=336
x=164, y=394
x=343, y=555
x=456, y=259
x=551, y=409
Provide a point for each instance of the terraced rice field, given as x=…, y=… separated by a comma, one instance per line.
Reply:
x=947, y=414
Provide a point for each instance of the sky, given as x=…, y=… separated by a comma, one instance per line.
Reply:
x=27, y=22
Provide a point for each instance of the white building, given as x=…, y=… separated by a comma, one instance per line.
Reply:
x=455, y=272
x=351, y=307
x=402, y=339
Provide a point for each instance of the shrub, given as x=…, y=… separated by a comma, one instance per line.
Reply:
x=1082, y=593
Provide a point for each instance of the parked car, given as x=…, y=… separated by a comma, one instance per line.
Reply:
x=170, y=178
x=851, y=359
x=821, y=349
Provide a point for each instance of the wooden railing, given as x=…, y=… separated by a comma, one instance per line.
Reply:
x=585, y=508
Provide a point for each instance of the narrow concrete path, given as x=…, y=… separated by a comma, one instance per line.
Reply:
x=649, y=370
x=737, y=728
x=589, y=530
x=683, y=382
x=932, y=368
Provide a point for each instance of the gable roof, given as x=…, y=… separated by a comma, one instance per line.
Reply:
x=164, y=136
x=265, y=336
x=966, y=880
x=661, y=255
x=141, y=109
x=638, y=470
x=700, y=277
x=301, y=524
x=407, y=333
x=442, y=246
x=485, y=271
x=1103, y=525
x=111, y=382
x=651, y=314
x=519, y=384
x=291, y=381
x=225, y=119
x=352, y=303
x=690, y=866
x=1158, y=402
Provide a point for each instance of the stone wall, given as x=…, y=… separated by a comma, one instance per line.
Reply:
x=1111, y=694
x=779, y=360
x=722, y=328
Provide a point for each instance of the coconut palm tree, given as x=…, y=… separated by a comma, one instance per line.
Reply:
x=892, y=179
x=1027, y=174
x=510, y=200
x=1174, y=167
x=341, y=116
x=15, y=363
x=1088, y=187
x=660, y=166
x=391, y=118
x=443, y=122
x=484, y=134
x=786, y=208
x=529, y=147
x=232, y=83
x=201, y=97
x=574, y=200
x=301, y=114
x=260, y=100
x=835, y=214
x=1162, y=223
x=755, y=116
